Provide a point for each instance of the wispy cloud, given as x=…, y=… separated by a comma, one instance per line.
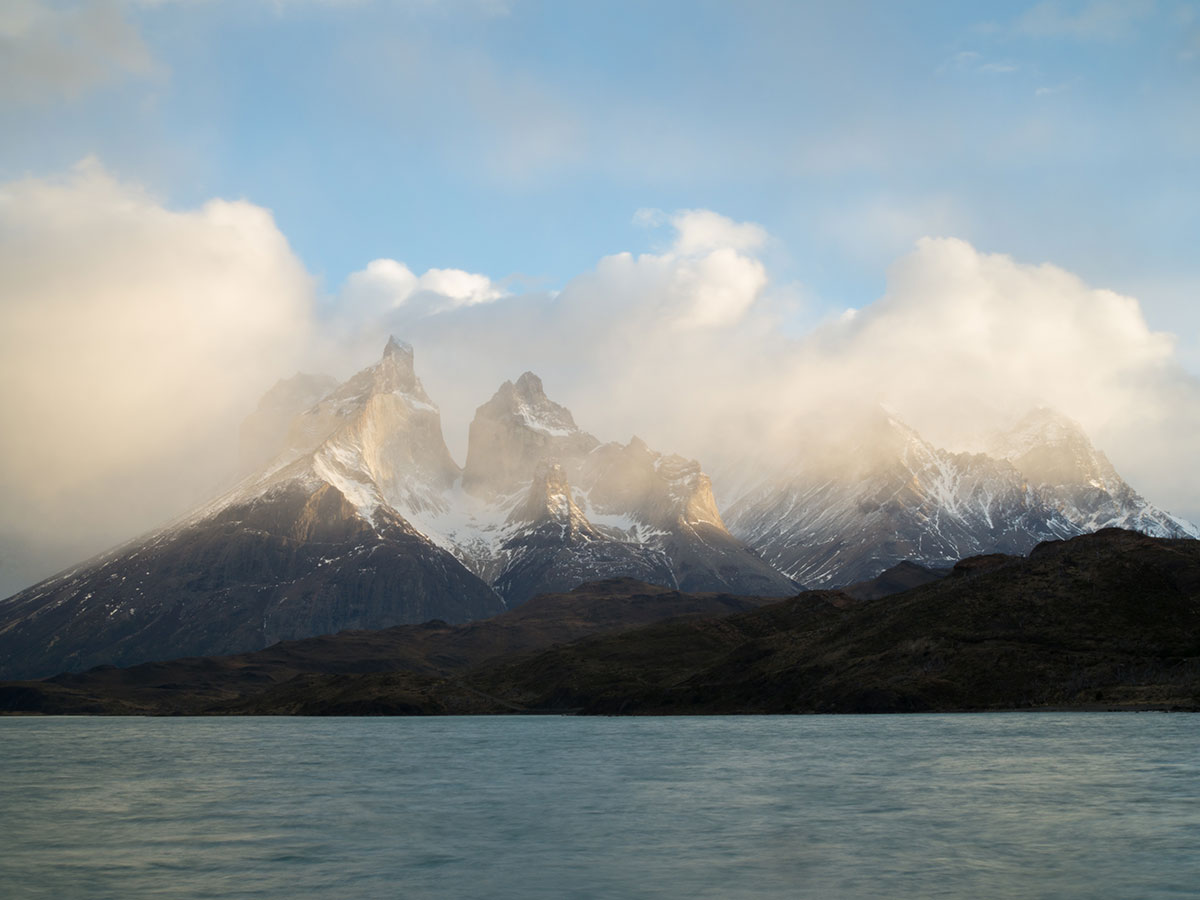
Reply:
x=1046, y=90
x=53, y=51
x=974, y=61
x=1097, y=20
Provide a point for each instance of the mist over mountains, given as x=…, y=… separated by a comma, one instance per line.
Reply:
x=356, y=515
x=126, y=403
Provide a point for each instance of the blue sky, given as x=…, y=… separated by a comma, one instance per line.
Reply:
x=519, y=138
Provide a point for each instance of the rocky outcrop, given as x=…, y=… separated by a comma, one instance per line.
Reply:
x=554, y=548
x=513, y=433
x=628, y=510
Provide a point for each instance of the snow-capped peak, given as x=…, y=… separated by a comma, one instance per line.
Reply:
x=395, y=373
x=1047, y=447
x=527, y=402
x=514, y=431
x=549, y=499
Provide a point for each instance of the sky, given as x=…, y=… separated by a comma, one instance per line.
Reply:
x=685, y=216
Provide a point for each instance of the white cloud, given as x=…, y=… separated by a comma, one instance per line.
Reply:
x=386, y=284
x=116, y=308
x=701, y=230
x=879, y=229
x=133, y=338
x=964, y=341
x=688, y=350
x=50, y=51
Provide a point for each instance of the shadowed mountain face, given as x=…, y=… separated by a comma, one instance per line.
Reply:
x=312, y=543
x=545, y=506
x=1103, y=621
x=361, y=519
x=290, y=563
x=861, y=501
x=409, y=655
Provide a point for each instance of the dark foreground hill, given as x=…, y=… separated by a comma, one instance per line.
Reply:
x=1110, y=620
x=424, y=655
x=1104, y=621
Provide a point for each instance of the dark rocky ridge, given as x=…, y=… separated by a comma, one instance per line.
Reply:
x=899, y=578
x=413, y=656
x=1110, y=620
x=1103, y=621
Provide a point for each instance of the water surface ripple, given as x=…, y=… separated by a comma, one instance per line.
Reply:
x=981, y=806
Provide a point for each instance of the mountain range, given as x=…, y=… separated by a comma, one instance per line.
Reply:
x=354, y=515
x=1109, y=620
x=360, y=518
x=871, y=493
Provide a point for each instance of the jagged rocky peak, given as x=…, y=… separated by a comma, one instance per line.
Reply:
x=660, y=490
x=516, y=430
x=390, y=438
x=1049, y=448
x=526, y=400
x=549, y=500
x=380, y=418
x=395, y=372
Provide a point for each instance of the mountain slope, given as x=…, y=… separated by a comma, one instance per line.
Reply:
x=1103, y=621
x=881, y=494
x=361, y=519
x=1106, y=620
x=617, y=509
x=312, y=544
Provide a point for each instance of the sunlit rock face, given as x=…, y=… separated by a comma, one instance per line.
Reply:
x=358, y=517
x=618, y=499
x=515, y=431
x=861, y=499
x=316, y=541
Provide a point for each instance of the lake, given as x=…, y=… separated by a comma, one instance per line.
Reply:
x=980, y=806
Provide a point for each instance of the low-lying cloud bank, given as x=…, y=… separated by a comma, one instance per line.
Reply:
x=134, y=337
x=689, y=349
x=130, y=335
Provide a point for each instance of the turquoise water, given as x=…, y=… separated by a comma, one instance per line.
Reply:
x=980, y=806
